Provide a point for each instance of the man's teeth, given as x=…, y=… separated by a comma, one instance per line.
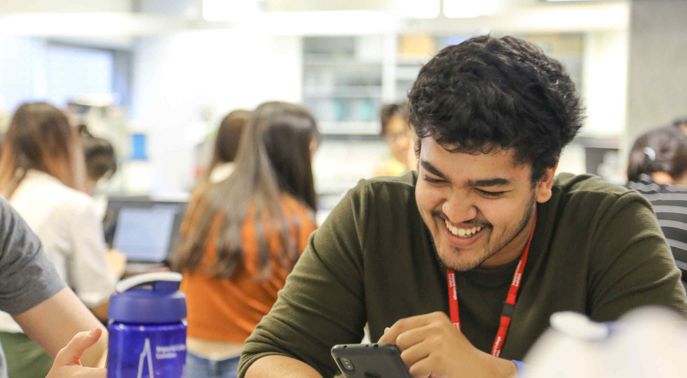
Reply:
x=462, y=232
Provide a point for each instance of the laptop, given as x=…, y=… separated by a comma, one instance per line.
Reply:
x=145, y=231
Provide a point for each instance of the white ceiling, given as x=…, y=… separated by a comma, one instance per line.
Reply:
x=132, y=18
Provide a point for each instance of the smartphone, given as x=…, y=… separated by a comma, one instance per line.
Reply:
x=369, y=361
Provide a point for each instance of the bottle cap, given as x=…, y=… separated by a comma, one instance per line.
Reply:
x=149, y=298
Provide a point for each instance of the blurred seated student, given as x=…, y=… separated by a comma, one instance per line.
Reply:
x=45, y=308
x=101, y=163
x=399, y=138
x=681, y=123
x=41, y=175
x=100, y=158
x=226, y=145
x=657, y=168
x=242, y=236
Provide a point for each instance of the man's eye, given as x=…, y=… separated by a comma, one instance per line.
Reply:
x=434, y=180
x=491, y=194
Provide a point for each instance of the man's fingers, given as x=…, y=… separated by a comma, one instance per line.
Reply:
x=387, y=337
x=405, y=324
x=72, y=352
x=415, y=353
x=422, y=368
x=412, y=337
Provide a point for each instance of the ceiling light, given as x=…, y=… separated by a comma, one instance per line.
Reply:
x=470, y=8
x=419, y=8
x=229, y=10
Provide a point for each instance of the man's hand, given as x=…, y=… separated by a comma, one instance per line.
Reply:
x=68, y=360
x=431, y=346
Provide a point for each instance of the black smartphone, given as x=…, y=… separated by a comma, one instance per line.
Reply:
x=369, y=361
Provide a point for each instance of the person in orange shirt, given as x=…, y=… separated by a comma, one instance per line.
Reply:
x=242, y=236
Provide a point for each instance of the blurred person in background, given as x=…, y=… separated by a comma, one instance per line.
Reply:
x=42, y=176
x=399, y=137
x=226, y=145
x=657, y=168
x=681, y=123
x=100, y=157
x=242, y=236
x=660, y=156
x=101, y=164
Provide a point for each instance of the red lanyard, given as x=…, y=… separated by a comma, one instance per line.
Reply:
x=508, y=305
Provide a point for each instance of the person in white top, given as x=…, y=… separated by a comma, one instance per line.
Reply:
x=41, y=174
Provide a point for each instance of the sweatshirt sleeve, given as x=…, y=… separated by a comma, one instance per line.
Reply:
x=322, y=301
x=636, y=267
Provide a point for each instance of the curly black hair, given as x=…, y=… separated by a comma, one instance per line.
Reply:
x=488, y=93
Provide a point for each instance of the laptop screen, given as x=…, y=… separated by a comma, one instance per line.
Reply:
x=146, y=233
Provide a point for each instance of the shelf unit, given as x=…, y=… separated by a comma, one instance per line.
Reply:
x=342, y=83
x=406, y=73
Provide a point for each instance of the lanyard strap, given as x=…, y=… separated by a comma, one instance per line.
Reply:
x=508, y=305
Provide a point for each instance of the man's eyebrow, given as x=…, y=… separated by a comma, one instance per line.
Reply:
x=490, y=182
x=432, y=169
x=498, y=181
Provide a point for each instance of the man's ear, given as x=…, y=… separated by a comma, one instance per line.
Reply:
x=544, y=185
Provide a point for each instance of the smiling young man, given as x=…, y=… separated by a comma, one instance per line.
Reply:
x=461, y=264
x=481, y=214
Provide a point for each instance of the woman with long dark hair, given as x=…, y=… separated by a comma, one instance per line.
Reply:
x=41, y=176
x=226, y=145
x=241, y=236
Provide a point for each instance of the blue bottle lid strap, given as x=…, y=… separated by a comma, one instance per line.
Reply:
x=147, y=278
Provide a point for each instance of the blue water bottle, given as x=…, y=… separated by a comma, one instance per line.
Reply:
x=147, y=327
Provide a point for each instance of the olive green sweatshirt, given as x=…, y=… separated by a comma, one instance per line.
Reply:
x=597, y=249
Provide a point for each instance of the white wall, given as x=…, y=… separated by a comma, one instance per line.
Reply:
x=22, y=71
x=657, y=78
x=604, y=82
x=181, y=77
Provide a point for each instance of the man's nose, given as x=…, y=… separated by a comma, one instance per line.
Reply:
x=459, y=208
